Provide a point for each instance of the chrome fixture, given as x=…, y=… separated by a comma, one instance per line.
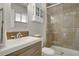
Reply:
x=19, y=35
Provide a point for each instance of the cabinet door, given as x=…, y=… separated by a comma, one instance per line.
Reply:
x=31, y=52
x=28, y=51
x=35, y=50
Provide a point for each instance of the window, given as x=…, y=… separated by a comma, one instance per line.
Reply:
x=17, y=17
x=21, y=18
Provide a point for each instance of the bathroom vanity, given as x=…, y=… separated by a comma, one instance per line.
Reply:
x=26, y=46
x=32, y=50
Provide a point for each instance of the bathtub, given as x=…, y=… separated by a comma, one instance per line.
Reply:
x=60, y=51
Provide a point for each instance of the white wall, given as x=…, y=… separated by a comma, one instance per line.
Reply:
x=6, y=12
x=6, y=8
x=37, y=27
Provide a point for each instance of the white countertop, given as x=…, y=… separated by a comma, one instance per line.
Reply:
x=16, y=44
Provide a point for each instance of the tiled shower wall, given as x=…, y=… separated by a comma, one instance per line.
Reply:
x=64, y=25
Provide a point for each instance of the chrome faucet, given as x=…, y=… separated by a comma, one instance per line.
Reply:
x=19, y=35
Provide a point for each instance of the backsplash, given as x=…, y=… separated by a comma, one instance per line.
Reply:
x=13, y=35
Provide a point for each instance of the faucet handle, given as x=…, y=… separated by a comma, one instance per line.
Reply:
x=12, y=36
x=19, y=35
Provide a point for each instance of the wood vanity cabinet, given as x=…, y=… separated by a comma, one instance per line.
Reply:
x=32, y=50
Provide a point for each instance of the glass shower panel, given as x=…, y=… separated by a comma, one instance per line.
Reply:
x=65, y=31
x=76, y=40
x=56, y=25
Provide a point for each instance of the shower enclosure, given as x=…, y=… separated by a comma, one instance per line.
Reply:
x=63, y=25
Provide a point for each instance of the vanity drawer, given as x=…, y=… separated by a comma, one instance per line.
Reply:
x=28, y=51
